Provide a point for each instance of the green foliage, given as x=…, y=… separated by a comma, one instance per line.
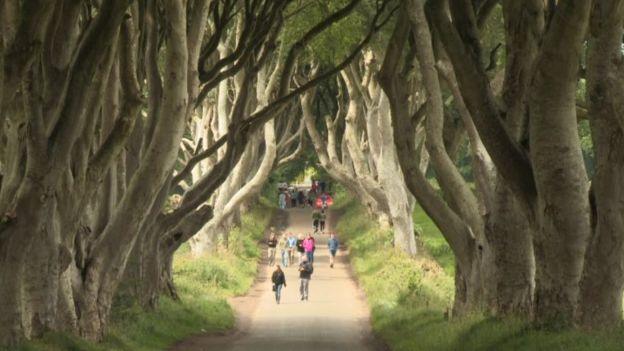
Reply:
x=410, y=297
x=335, y=43
x=203, y=283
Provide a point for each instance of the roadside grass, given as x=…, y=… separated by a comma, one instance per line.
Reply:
x=432, y=240
x=203, y=284
x=409, y=298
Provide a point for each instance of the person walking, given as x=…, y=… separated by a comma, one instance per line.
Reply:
x=272, y=244
x=293, y=197
x=311, y=198
x=282, y=245
x=279, y=280
x=322, y=217
x=309, y=247
x=292, y=247
x=301, y=198
x=332, y=245
x=305, y=274
x=282, y=200
x=300, y=248
x=316, y=217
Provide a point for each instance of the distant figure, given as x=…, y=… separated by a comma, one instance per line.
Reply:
x=309, y=247
x=323, y=186
x=283, y=247
x=293, y=197
x=301, y=198
x=305, y=273
x=316, y=217
x=322, y=218
x=282, y=200
x=332, y=245
x=300, y=248
x=311, y=198
x=279, y=279
x=272, y=244
x=324, y=198
x=292, y=247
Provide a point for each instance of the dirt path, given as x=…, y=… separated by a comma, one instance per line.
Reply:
x=335, y=317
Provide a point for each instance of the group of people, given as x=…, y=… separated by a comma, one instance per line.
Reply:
x=303, y=247
x=317, y=196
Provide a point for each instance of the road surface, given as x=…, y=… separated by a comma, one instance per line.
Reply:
x=334, y=318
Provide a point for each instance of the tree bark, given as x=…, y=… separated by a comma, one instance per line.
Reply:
x=562, y=184
x=602, y=284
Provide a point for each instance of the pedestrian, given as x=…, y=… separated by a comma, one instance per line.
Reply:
x=300, y=248
x=332, y=245
x=311, y=198
x=282, y=200
x=283, y=247
x=324, y=198
x=323, y=186
x=301, y=198
x=322, y=218
x=279, y=280
x=292, y=247
x=287, y=198
x=305, y=274
x=272, y=244
x=316, y=217
x=309, y=247
x=293, y=197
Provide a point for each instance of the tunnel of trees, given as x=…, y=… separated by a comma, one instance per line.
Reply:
x=131, y=127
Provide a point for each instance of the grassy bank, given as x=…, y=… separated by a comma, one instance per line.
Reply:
x=203, y=284
x=409, y=297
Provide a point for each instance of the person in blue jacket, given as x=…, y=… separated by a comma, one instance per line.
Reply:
x=333, y=246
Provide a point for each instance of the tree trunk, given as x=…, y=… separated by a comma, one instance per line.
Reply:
x=602, y=284
x=509, y=234
x=562, y=210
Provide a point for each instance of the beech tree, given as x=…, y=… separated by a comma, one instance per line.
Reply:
x=96, y=99
x=534, y=247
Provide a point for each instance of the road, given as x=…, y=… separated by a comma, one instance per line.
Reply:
x=334, y=318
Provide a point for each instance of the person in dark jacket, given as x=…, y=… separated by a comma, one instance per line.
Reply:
x=322, y=217
x=279, y=280
x=300, y=248
x=305, y=274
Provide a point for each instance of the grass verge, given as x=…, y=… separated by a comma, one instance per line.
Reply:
x=203, y=283
x=409, y=297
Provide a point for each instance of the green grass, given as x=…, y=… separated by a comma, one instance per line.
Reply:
x=409, y=297
x=203, y=283
x=433, y=241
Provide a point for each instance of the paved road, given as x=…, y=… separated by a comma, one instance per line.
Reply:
x=335, y=317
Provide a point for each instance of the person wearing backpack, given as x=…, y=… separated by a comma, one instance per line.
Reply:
x=300, y=248
x=305, y=274
x=272, y=244
x=279, y=280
